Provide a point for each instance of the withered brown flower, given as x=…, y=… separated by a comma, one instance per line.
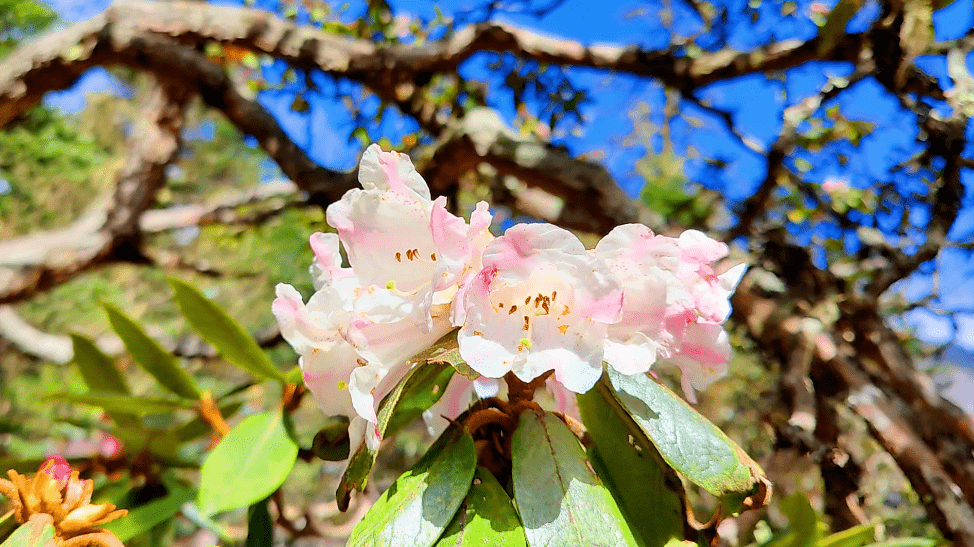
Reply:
x=56, y=494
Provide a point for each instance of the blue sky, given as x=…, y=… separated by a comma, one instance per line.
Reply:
x=755, y=102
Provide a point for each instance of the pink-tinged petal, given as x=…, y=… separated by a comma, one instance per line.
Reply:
x=706, y=343
x=391, y=344
x=564, y=399
x=702, y=357
x=598, y=295
x=327, y=266
x=373, y=439
x=302, y=327
x=695, y=246
x=325, y=248
x=575, y=353
x=362, y=387
x=489, y=357
x=455, y=401
x=480, y=218
x=637, y=243
x=382, y=305
x=357, y=428
x=450, y=237
x=632, y=355
x=326, y=374
x=728, y=280
x=393, y=171
x=387, y=238
x=487, y=387
x=524, y=247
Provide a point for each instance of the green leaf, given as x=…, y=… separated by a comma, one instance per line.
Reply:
x=424, y=390
x=99, y=373
x=857, y=536
x=97, y=369
x=486, y=518
x=221, y=331
x=446, y=351
x=561, y=500
x=802, y=523
x=421, y=503
x=260, y=527
x=8, y=523
x=124, y=404
x=416, y=389
x=295, y=376
x=622, y=456
x=142, y=518
x=151, y=356
x=251, y=461
x=30, y=534
x=688, y=442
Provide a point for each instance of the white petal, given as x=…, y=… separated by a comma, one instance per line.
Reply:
x=326, y=374
x=302, y=326
x=525, y=247
x=455, y=401
x=634, y=355
x=394, y=171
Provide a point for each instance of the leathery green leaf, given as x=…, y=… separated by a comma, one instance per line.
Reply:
x=688, y=442
x=8, y=523
x=151, y=356
x=251, y=461
x=486, y=518
x=561, y=500
x=223, y=332
x=122, y=404
x=260, y=527
x=424, y=391
x=99, y=373
x=97, y=369
x=417, y=391
x=421, y=503
x=632, y=469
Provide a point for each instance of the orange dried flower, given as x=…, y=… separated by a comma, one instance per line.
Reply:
x=56, y=494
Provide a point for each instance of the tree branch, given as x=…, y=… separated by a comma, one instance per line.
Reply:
x=38, y=262
x=54, y=61
x=593, y=201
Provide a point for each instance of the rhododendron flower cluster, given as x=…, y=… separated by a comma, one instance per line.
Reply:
x=528, y=302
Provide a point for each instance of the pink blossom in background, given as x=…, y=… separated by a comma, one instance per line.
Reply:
x=832, y=186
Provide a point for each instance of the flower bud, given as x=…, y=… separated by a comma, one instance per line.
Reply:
x=332, y=442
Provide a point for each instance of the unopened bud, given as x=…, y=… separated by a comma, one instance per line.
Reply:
x=331, y=443
x=57, y=468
